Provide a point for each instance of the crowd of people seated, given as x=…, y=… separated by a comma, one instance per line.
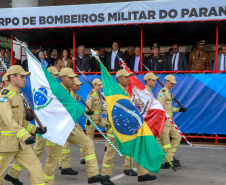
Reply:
x=174, y=60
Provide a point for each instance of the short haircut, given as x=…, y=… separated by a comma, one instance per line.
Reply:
x=3, y=49
x=97, y=49
x=115, y=42
x=82, y=46
x=10, y=75
x=41, y=53
x=170, y=49
x=131, y=47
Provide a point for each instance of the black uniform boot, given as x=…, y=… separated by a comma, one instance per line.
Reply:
x=68, y=171
x=176, y=160
x=98, y=178
x=146, y=177
x=127, y=172
x=13, y=180
x=107, y=182
x=83, y=161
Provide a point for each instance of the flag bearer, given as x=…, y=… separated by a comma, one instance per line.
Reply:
x=15, y=139
x=39, y=146
x=95, y=103
x=122, y=77
x=150, y=81
x=165, y=98
x=65, y=159
x=78, y=138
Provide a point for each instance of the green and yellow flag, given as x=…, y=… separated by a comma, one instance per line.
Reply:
x=133, y=136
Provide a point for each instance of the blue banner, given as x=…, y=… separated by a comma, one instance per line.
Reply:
x=203, y=95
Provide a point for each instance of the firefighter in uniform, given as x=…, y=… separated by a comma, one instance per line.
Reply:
x=65, y=158
x=156, y=62
x=122, y=77
x=199, y=59
x=39, y=145
x=95, y=103
x=150, y=81
x=78, y=138
x=15, y=137
x=169, y=147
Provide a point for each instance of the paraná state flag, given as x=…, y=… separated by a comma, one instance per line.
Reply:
x=133, y=136
x=53, y=105
x=150, y=108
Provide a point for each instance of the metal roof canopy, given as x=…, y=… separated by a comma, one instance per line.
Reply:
x=183, y=33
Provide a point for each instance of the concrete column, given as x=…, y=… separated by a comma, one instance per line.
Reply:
x=24, y=3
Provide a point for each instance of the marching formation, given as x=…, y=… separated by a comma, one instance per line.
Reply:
x=127, y=124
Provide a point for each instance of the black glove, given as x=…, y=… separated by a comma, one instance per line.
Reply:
x=89, y=113
x=182, y=109
x=40, y=131
x=88, y=122
x=29, y=141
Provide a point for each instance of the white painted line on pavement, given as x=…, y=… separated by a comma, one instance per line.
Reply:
x=119, y=176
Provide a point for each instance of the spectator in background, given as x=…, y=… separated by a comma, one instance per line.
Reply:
x=49, y=59
x=220, y=51
x=8, y=53
x=177, y=61
x=41, y=49
x=112, y=61
x=82, y=61
x=135, y=60
x=166, y=56
x=103, y=55
x=130, y=53
x=15, y=60
x=64, y=60
x=43, y=60
x=94, y=64
x=199, y=59
x=171, y=51
x=1, y=84
x=5, y=62
x=221, y=59
x=156, y=62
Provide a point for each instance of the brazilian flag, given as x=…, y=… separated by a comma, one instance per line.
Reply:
x=133, y=136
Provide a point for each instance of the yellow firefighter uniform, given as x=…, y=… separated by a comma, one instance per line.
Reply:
x=95, y=103
x=14, y=130
x=38, y=146
x=108, y=161
x=169, y=147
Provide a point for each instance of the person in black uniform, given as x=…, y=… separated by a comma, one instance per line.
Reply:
x=156, y=62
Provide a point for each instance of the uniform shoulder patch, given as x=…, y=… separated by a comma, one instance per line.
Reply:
x=163, y=90
x=5, y=91
x=3, y=99
x=162, y=95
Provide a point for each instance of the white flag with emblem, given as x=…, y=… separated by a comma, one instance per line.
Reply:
x=53, y=105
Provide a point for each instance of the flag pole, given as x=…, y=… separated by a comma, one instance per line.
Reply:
x=113, y=146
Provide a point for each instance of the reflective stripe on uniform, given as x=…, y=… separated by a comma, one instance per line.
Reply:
x=166, y=92
x=94, y=94
x=48, y=177
x=11, y=94
x=89, y=125
x=96, y=112
x=60, y=159
x=66, y=151
x=128, y=157
x=21, y=133
x=170, y=114
x=81, y=150
x=90, y=157
x=166, y=146
x=1, y=158
x=49, y=143
x=29, y=127
x=110, y=135
x=174, y=150
x=107, y=165
x=7, y=133
x=174, y=109
x=17, y=168
x=41, y=184
x=111, y=129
